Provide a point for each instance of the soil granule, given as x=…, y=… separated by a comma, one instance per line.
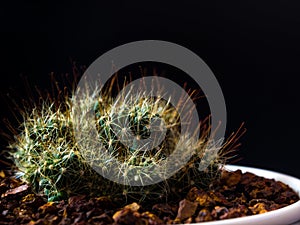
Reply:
x=235, y=194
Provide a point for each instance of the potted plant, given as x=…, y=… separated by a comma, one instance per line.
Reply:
x=70, y=178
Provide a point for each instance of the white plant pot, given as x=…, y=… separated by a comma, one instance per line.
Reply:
x=284, y=216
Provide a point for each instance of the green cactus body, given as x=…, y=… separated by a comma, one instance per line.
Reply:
x=47, y=156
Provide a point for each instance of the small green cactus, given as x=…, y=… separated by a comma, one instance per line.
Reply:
x=47, y=155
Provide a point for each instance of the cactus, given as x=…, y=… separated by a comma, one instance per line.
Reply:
x=47, y=155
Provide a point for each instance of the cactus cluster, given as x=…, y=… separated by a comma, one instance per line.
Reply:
x=47, y=155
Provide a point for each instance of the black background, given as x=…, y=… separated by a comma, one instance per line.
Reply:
x=252, y=46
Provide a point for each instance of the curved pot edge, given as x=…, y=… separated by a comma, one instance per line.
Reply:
x=283, y=216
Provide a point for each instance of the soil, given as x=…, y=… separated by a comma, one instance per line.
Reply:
x=235, y=194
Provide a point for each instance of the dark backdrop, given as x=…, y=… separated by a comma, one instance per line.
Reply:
x=252, y=46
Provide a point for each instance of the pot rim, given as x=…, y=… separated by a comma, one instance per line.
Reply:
x=283, y=216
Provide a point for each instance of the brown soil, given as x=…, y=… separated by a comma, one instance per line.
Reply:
x=234, y=195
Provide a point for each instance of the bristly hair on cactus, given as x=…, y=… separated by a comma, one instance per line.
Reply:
x=46, y=153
